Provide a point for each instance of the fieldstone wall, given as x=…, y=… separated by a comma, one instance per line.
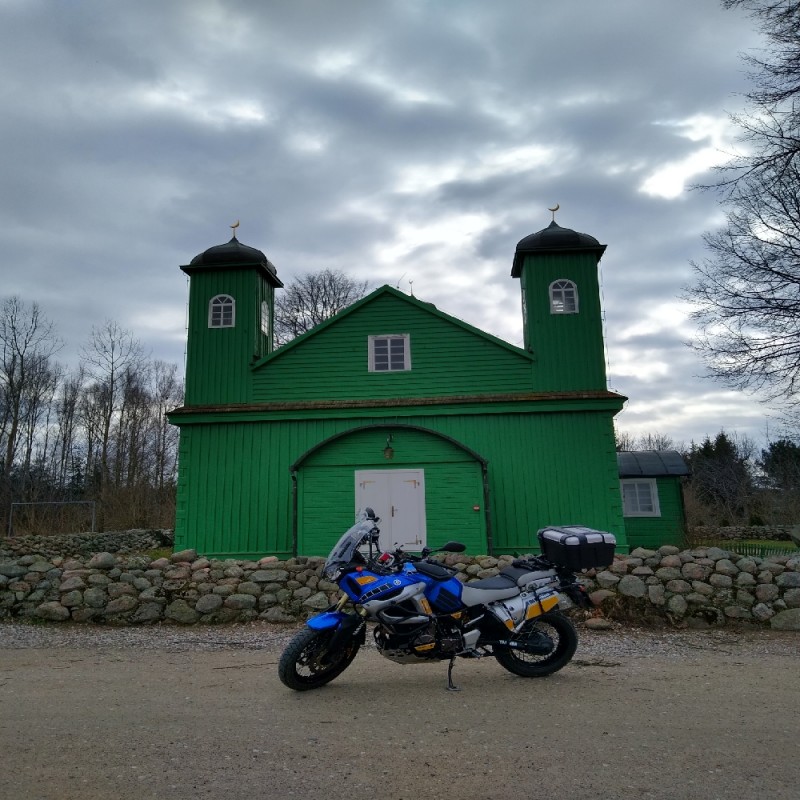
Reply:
x=68, y=544
x=705, y=586
x=776, y=533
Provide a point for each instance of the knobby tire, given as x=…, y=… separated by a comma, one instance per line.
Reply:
x=559, y=629
x=307, y=664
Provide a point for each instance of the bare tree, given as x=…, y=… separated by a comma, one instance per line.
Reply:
x=625, y=442
x=65, y=455
x=747, y=291
x=312, y=298
x=167, y=394
x=656, y=441
x=647, y=441
x=110, y=353
x=27, y=343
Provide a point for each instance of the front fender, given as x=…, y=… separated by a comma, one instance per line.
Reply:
x=327, y=620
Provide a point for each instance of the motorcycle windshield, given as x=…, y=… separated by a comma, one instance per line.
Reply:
x=344, y=550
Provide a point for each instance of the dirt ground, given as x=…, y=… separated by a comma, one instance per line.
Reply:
x=636, y=715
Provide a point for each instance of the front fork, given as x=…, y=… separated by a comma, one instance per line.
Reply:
x=345, y=626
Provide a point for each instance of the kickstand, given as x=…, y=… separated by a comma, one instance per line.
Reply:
x=451, y=687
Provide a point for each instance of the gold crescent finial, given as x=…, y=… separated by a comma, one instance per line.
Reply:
x=554, y=209
x=234, y=227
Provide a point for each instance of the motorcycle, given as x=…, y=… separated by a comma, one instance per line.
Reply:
x=422, y=613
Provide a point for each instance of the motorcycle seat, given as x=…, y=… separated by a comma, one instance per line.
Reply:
x=479, y=593
x=500, y=581
x=514, y=573
x=521, y=577
x=434, y=571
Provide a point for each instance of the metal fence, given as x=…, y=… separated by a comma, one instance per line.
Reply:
x=52, y=503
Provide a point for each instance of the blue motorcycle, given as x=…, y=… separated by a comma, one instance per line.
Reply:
x=420, y=611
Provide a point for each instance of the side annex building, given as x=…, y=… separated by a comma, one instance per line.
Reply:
x=447, y=431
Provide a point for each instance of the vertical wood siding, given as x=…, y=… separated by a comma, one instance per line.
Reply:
x=652, y=532
x=569, y=349
x=218, y=359
x=453, y=486
x=543, y=469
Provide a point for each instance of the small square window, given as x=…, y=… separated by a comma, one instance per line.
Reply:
x=640, y=498
x=389, y=353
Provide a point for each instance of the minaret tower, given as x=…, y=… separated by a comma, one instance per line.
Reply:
x=231, y=306
x=562, y=318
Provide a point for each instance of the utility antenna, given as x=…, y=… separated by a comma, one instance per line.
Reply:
x=400, y=280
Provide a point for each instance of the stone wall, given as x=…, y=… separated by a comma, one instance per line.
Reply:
x=68, y=544
x=704, y=586
x=775, y=533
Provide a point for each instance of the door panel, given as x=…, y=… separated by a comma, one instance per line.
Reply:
x=398, y=497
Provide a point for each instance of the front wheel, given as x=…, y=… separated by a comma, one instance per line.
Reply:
x=554, y=639
x=307, y=662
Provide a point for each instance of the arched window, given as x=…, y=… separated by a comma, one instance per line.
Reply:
x=222, y=312
x=563, y=297
x=265, y=317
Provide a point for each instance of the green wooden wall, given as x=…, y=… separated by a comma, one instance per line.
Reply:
x=218, y=360
x=543, y=469
x=669, y=528
x=453, y=485
x=446, y=359
x=568, y=348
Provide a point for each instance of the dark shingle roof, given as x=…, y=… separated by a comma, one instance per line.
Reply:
x=651, y=464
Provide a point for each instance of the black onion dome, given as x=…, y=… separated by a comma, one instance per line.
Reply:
x=233, y=254
x=554, y=239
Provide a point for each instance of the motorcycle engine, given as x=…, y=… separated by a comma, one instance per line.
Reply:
x=417, y=646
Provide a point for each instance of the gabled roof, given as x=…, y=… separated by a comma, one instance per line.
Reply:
x=651, y=464
x=429, y=308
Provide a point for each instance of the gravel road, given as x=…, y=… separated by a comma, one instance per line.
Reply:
x=167, y=712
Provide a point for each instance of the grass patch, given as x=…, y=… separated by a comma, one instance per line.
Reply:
x=155, y=553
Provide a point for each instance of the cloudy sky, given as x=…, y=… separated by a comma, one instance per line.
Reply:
x=402, y=141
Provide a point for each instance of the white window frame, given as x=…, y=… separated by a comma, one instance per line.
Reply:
x=405, y=338
x=632, y=503
x=558, y=296
x=265, y=317
x=220, y=301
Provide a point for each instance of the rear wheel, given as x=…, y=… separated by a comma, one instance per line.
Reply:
x=555, y=641
x=307, y=662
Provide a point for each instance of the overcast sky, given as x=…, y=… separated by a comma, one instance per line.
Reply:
x=398, y=140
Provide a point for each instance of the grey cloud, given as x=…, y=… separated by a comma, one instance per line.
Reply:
x=125, y=157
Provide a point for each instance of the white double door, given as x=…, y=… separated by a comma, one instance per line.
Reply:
x=398, y=497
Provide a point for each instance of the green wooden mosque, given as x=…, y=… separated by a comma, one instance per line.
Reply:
x=445, y=430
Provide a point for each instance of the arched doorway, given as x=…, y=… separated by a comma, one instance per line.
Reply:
x=426, y=487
